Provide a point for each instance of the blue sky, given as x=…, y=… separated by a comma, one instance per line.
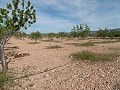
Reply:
x=62, y=15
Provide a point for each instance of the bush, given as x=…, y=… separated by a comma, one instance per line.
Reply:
x=107, y=42
x=93, y=57
x=54, y=47
x=87, y=44
x=34, y=43
x=5, y=79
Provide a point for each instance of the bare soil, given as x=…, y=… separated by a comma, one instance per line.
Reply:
x=53, y=69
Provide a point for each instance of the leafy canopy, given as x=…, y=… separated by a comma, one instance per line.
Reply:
x=17, y=15
x=81, y=30
x=35, y=35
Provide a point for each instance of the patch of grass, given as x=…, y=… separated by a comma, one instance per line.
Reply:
x=54, y=47
x=107, y=42
x=34, y=43
x=45, y=40
x=5, y=80
x=87, y=44
x=93, y=57
x=14, y=80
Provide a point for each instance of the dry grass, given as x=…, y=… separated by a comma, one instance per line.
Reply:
x=87, y=44
x=34, y=43
x=109, y=41
x=93, y=57
x=54, y=47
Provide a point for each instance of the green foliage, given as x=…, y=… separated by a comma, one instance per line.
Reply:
x=93, y=57
x=87, y=44
x=80, y=31
x=54, y=47
x=34, y=43
x=115, y=41
x=113, y=33
x=106, y=33
x=73, y=33
x=62, y=35
x=13, y=18
x=36, y=35
x=4, y=79
x=102, y=33
x=1, y=33
x=20, y=35
x=51, y=35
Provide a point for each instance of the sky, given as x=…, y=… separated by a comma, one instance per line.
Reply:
x=62, y=15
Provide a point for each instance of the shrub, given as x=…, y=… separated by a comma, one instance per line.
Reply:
x=87, y=44
x=54, y=47
x=107, y=42
x=93, y=57
x=34, y=43
x=5, y=79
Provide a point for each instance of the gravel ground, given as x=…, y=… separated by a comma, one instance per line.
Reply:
x=53, y=69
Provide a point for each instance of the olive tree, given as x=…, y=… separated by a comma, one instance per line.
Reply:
x=51, y=36
x=20, y=35
x=16, y=16
x=102, y=33
x=113, y=33
x=62, y=35
x=36, y=35
x=74, y=33
x=81, y=30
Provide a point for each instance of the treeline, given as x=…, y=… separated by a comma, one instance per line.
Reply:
x=106, y=33
x=81, y=31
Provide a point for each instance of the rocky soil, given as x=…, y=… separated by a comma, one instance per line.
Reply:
x=53, y=69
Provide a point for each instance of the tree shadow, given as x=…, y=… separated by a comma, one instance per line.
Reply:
x=12, y=56
x=9, y=48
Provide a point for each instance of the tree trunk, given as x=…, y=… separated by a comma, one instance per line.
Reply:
x=61, y=39
x=3, y=59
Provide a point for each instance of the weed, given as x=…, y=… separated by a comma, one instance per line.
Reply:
x=34, y=43
x=54, y=47
x=10, y=81
x=87, y=44
x=93, y=57
x=6, y=80
x=107, y=42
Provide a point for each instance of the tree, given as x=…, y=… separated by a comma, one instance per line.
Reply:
x=102, y=33
x=50, y=36
x=73, y=33
x=113, y=33
x=62, y=35
x=81, y=31
x=20, y=35
x=35, y=35
x=85, y=32
x=16, y=16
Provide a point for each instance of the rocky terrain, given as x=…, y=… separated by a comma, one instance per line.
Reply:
x=40, y=68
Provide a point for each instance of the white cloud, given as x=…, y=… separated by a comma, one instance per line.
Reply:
x=96, y=13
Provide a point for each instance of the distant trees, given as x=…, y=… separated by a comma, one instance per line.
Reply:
x=36, y=35
x=113, y=33
x=74, y=33
x=104, y=33
x=20, y=35
x=81, y=30
x=62, y=35
x=51, y=36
